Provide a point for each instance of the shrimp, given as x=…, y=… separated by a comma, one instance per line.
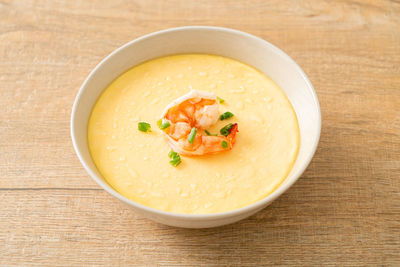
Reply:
x=200, y=110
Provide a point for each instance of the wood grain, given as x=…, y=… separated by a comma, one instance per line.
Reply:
x=344, y=211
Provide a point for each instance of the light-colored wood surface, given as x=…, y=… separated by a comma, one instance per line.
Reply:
x=345, y=210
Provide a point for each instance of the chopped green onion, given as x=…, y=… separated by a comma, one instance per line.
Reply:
x=144, y=126
x=220, y=100
x=175, y=161
x=172, y=154
x=175, y=158
x=192, y=135
x=163, y=124
x=208, y=133
x=224, y=144
x=226, y=116
x=226, y=130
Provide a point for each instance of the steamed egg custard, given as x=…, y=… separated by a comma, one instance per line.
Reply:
x=193, y=134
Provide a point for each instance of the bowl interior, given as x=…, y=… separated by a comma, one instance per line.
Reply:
x=210, y=40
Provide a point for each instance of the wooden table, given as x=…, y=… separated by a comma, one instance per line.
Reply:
x=345, y=210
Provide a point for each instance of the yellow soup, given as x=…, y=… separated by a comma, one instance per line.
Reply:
x=136, y=164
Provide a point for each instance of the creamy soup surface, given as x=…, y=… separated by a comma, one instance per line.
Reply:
x=136, y=164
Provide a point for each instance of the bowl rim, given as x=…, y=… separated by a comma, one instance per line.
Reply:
x=208, y=216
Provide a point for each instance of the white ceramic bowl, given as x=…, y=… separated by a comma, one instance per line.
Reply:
x=210, y=40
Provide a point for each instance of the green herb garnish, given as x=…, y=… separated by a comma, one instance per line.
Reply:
x=226, y=116
x=175, y=161
x=175, y=158
x=220, y=100
x=163, y=124
x=226, y=130
x=172, y=154
x=224, y=144
x=192, y=135
x=208, y=133
x=144, y=127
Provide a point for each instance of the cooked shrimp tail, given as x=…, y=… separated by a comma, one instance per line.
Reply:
x=197, y=110
x=232, y=134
